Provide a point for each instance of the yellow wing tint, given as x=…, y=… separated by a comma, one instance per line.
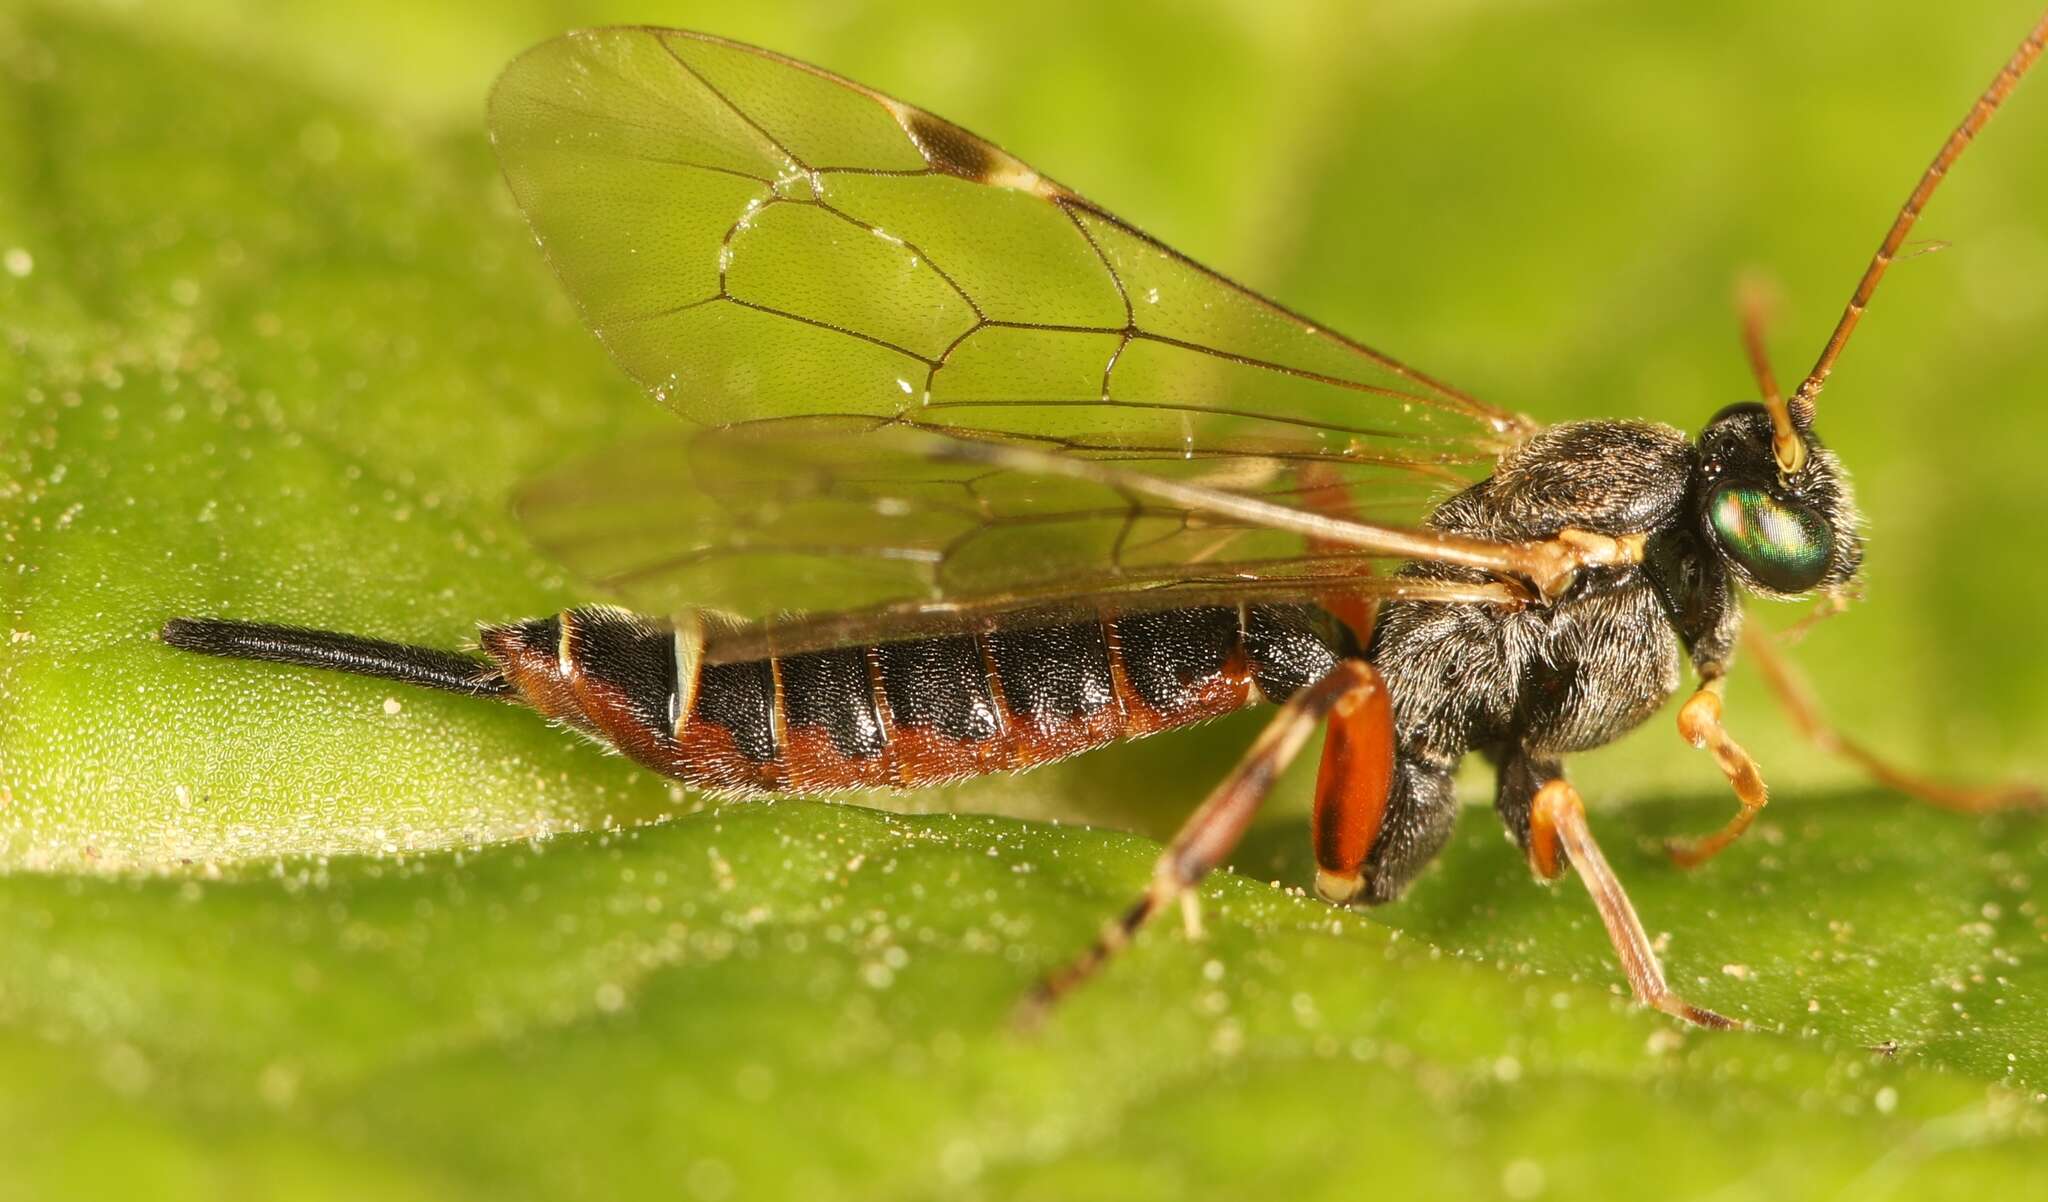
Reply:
x=756, y=240
x=753, y=237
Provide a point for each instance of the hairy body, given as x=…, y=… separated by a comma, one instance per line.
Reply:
x=1527, y=686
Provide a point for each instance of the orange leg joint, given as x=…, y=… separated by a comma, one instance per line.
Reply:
x=1699, y=721
x=1351, y=789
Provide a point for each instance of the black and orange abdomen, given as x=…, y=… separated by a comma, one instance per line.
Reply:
x=1022, y=692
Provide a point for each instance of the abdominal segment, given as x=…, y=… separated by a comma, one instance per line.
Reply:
x=1019, y=692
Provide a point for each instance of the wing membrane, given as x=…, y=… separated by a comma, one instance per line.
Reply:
x=812, y=270
x=892, y=527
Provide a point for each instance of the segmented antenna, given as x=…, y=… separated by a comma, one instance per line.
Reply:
x=1802, y=406
x=1786, y=446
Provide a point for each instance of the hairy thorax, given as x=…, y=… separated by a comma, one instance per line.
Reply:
x=1563, y=677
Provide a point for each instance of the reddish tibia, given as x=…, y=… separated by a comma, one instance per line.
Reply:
x=1352, y=788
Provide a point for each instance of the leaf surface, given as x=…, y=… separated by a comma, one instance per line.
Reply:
x=280, y=349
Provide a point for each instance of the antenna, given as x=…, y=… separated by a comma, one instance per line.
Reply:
x=1786, y=446
x=1802, y=404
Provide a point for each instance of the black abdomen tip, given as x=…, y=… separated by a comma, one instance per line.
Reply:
x=428, y=667
x=208, y=636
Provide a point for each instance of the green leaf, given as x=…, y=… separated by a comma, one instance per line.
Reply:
x=804, y=1000
x=278, y=347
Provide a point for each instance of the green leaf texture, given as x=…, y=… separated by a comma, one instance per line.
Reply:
x=278, y=347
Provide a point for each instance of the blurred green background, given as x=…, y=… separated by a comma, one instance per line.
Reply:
x=278, y=346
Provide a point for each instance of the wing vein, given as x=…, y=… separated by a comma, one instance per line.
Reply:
x=658, y=314
x=661, y=161
x=727, y=101
x=1465, y=401
x=1051, y=451
x=1109, y=268
x=884, y=343
x=981, y=318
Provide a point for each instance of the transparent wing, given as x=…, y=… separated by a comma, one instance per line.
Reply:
x=755, y=239
x=888, y=529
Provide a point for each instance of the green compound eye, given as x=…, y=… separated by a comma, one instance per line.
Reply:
x=1784, y=546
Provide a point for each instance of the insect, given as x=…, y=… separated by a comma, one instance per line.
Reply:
x=975, y=475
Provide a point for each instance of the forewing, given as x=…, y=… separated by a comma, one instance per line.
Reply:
x=755, y=239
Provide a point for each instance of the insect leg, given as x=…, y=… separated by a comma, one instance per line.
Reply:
x=1353, y=787
x=1558, y=834
x=1806, y=717
x=1553, y=564
x=1323, y=491
x=1209, y=835
x=1550, y=564
x=1699, y=722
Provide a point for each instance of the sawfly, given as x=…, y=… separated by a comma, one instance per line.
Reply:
x=974, y=475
